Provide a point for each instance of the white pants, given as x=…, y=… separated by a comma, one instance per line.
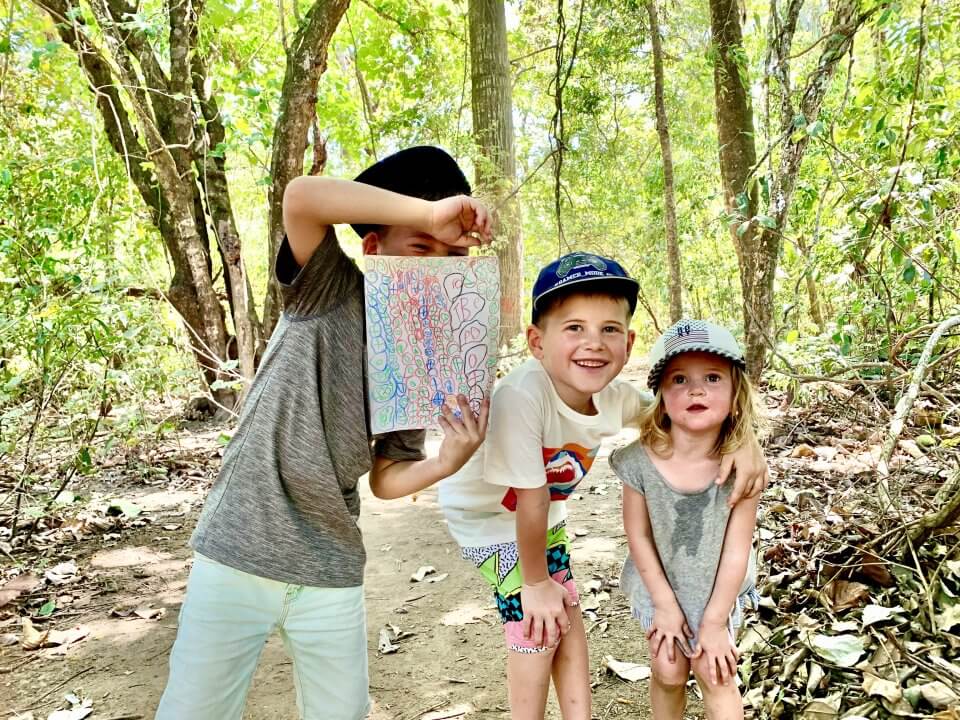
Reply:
x=225, y=620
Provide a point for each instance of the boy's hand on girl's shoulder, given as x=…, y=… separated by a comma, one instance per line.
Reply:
x=460, y=221
x=752, y=476
x=669, y=630
x=544, y=605
x=716, y=643
x=461, y=435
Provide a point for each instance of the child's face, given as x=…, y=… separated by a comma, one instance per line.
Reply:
x=697, y=391
x=583, y=344
x=403, y=240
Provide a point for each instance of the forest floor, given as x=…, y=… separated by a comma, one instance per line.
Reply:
x=111, y=578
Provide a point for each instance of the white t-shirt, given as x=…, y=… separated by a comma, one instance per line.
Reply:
x=533, y=439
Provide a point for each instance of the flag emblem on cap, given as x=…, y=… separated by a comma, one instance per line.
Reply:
x=690, y=333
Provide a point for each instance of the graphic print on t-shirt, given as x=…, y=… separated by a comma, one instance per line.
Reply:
x=565, y=467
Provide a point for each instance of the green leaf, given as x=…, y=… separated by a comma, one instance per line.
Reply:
x=840, y=650
x=46, y=610
x=767, y=221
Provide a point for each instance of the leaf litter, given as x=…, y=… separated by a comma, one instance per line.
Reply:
x=860, y=583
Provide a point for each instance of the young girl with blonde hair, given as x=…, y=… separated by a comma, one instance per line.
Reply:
x=690, y=571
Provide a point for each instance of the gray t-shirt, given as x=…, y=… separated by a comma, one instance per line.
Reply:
x=285, y=504
x=688, y=530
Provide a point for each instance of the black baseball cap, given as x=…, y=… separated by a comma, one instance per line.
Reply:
x=424, y=171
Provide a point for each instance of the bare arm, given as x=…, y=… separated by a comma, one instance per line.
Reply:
x=734, y=558
x=669, y=624
x=311, y=204
x=715, y=640
x=391, y=479
x=544, y=601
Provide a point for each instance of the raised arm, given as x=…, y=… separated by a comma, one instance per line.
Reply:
x=311, y=204
x=715, y=640
x=669, y=624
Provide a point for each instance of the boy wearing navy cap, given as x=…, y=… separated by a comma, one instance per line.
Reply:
x=506, y=507
x=277, y=545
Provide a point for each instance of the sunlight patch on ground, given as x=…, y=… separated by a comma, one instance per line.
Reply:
x=128, y=557
x=126, y=630
x=465, y=614
x=596, y=549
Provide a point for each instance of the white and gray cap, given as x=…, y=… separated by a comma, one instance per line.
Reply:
x=690, y=336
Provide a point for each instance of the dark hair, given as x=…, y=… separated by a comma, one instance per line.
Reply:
x=600, y=289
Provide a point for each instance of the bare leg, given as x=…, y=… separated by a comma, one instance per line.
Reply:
x=722, y=702
x=668, y=686
x=528, y=680
x=571, y=670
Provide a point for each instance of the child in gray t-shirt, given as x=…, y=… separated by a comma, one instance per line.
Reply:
x=690, y=573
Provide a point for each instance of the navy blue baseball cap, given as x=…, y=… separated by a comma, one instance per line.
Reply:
x=424, y=172
x=588, y=272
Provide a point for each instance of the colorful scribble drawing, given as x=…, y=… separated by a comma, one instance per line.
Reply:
x=432, y=329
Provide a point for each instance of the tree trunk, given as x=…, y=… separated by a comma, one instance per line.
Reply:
x=306, y=62
x=669, y=204
x=160, y=119
x=492, y=106
x=738, y=155
x=757, y=238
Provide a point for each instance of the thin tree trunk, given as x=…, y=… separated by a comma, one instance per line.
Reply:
x=149, y=108
x=669, y=204
x=306, y=62
x=492, y=105
x=738, y=155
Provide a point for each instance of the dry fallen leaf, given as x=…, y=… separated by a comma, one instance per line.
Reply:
x=939, y=695
x=149, y=613
x=422, y=572
x=385, y=646
x=79, y=709
x=844, y=594
x=33, y=639
x=62, y=574
x=873, y=685
x=631, y=672
x=803, y=450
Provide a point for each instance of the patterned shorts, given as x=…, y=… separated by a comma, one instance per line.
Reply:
x=500, y=566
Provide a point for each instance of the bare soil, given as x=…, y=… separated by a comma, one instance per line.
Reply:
x=451, y=659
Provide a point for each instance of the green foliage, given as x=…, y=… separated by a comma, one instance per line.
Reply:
x=873, y=221
x=74, y=341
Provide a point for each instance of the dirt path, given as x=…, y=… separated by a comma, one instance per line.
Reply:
x=450, y=662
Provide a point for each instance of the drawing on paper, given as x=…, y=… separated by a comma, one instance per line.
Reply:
x=432, y=330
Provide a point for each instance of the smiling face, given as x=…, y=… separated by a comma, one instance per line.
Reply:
x=403, y=240
x=697, y=391
x=583, y=342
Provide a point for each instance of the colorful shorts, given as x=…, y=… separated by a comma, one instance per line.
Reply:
x=500, y=566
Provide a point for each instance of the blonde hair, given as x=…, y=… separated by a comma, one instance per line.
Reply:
x=742, y=424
